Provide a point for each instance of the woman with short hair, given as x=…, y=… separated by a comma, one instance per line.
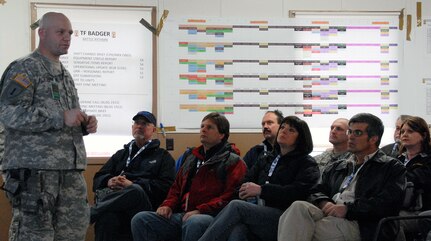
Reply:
x=415, y=153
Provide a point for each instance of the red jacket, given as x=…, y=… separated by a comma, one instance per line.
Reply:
x=213, y=185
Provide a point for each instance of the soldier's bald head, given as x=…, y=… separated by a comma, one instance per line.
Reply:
x=50, y=18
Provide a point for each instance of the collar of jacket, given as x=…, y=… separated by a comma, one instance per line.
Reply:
x=221, y=154
x=379, y=157
x=154, y=144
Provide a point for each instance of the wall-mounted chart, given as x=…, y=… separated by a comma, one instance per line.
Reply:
x=317, y=68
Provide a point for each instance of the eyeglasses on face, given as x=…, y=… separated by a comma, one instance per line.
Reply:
x=356, y=133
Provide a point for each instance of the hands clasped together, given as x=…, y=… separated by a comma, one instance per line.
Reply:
x=335, y=210
x=249, y=189
x=77, y=117
x=119, y=182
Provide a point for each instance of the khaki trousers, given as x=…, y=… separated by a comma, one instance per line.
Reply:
x=303, y=221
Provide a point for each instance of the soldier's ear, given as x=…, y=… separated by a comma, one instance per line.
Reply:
x=42, y=33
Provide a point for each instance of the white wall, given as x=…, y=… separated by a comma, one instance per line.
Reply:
x=416, y=65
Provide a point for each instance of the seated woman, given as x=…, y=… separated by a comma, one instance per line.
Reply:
x=416, y=156
x=274, y=182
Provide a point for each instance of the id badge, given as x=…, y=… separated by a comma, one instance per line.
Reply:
x=336, y=196
x=55, y=92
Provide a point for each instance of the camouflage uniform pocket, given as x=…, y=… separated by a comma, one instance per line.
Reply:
x=47, y=201
x=29, y=202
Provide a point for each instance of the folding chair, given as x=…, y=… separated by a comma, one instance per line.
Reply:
x=396, y=218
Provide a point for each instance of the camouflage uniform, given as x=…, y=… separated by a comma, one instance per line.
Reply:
x=327, y=157
x=2, y=136
x=1, y=147
x=43, y=157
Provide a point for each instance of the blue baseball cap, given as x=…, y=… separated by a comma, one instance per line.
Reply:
x=147, y=115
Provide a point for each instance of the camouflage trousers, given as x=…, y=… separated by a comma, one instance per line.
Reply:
x=51, y=205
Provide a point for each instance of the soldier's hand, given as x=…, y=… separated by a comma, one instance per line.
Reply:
x=74, y=117
x=91, y=124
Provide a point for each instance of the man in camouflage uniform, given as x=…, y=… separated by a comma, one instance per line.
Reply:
x=338, y=138
x=44, y=149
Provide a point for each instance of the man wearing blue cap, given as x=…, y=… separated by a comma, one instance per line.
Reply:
x=134, y=179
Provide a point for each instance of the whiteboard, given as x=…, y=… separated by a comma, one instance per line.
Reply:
x=111, y=60
x=318, y=68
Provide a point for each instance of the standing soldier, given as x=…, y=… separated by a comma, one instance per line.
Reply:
x=44, y=150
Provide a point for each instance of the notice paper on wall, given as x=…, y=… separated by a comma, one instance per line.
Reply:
x=427, y=82
x=428, y=36
x=110, y=59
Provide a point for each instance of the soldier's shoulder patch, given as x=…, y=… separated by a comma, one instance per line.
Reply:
x=11, y=91
x=22, y=79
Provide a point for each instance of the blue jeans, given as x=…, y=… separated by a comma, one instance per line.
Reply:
x=239, y=219
x=150, y=226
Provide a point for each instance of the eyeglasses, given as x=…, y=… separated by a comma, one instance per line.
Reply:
x=356, y=133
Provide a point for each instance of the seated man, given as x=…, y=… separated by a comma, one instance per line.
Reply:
x=134, y=179
x=338, y=139
x=354, y=194
x=270, y=124
x=205, y=183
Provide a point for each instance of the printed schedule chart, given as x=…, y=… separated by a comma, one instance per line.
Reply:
x=317, y=68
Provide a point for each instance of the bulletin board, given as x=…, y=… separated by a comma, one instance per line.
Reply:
x=113, y=63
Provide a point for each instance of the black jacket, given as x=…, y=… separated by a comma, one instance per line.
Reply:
x=391, y=150
x=153, y=169
x=419, y=172
x=378, y=191
x=292, y=179
x=253, y=155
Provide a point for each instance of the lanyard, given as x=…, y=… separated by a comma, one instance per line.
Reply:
x=350, y=178
x=137, y=153
x=273, y=165
x=199, y=164
x=394, y=149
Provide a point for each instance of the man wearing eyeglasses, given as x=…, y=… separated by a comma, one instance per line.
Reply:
x=354, y=194
x=136, y=178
